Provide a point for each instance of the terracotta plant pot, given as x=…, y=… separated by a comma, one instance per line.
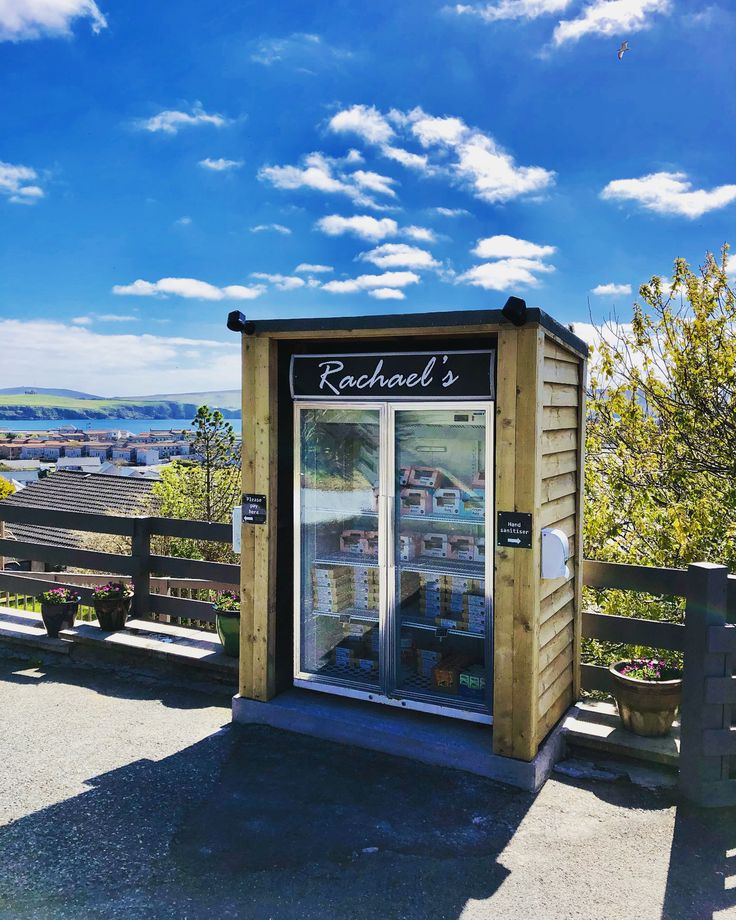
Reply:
x=647, y=707
x=228, y=629
x=112, y=612
x=57, y=617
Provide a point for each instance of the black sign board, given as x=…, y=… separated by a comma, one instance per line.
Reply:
x=410, y=375
x=254, y=509
x=514, y=529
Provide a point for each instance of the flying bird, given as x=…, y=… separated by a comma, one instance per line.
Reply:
x=622, y=50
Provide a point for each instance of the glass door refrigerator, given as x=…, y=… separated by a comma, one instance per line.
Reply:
x=393, y=592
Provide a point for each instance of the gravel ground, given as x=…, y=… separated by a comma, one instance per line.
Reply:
x=121, y=797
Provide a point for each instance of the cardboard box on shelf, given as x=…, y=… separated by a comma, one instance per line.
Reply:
x=415, y=501
x=331, y=574
x=425, y=476
x=479, y=480
x=474, y=505
x=435, y=545
x=427, y=659
x=480, y=550
x=446, y=501
x=462, y=584
x=408, y=546
x=371, y=543
x=404, y=473
x=446, y=674
x=472, y=683
x=461, y=547
x=353, y=542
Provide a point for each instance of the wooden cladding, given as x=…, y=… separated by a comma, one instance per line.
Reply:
x=539, y=470
x=561, y=489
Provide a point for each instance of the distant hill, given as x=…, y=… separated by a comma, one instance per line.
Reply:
x=46, y=406
x=22, y=391
x=217, y=399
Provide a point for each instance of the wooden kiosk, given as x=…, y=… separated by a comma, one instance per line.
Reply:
x=532, y=401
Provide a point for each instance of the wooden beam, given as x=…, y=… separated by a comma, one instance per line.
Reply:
x=527, y=563
x=579, y=565
x=258, y=541
x=505, y=495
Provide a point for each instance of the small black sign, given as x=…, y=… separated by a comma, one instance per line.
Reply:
x=514, y=529
x=410, y=375
x=254, y=509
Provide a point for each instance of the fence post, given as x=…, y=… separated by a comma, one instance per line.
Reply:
x=707, y=606
x=141, y=552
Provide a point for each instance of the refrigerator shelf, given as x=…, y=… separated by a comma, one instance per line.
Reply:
x=354, y=613
x=419, y=623
x=347, y=559
x=437, y=566
x=444, y=518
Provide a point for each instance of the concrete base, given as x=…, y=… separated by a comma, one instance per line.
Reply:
x=430, y=739
x=597, y=726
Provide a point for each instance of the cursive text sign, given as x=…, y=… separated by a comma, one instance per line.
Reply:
x=410, y=375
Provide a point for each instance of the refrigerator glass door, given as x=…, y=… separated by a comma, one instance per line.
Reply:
x=441, y=601
x=339, y=639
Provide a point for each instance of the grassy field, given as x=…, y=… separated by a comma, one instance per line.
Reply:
x=42, y=405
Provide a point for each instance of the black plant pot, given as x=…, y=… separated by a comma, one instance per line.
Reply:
x=57, y=617
x=112, y=612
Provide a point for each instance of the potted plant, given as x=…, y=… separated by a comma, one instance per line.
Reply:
x=648, y=694
x=59, y=606
x=227, y=619
x=112, y=604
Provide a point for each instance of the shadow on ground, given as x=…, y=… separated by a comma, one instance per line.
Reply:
x=248, y=821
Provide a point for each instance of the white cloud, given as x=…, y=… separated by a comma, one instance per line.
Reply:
x=610, y=17
x=323, y=174
x=399, y=255
x=281, y=282
x=190, y=288
x=452, y=212
x=103, y=318
x=277, y=228
x=407, y=158
x=476, y=159
x=611, y=290
x=503, y=246
x=490, y=171
x=362, y=225
x=371, y=282
x=314, y=269
x=220, y=165
x=505, y=274
x=420, y=234
x=172, y=121
x=19, y=183
x=118, y=364
x=387, y=294
x=365, y=121
x=27, y=19
x=185, y=221
x=670, y=193
x=374, y=182
x=513, y=9
x=301, y=49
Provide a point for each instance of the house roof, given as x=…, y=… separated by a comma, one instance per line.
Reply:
x=74, y=491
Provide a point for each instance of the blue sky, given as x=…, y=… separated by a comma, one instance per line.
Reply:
x=162, y=164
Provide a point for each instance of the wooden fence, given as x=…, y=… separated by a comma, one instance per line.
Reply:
x=708, y=643
x=141, y=565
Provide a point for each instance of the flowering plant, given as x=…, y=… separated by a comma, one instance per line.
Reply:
x=227, y=602
x=646, y=669
x=56, y=597
x=113, y=590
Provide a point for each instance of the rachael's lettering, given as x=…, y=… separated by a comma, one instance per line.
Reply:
x=418, y=375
